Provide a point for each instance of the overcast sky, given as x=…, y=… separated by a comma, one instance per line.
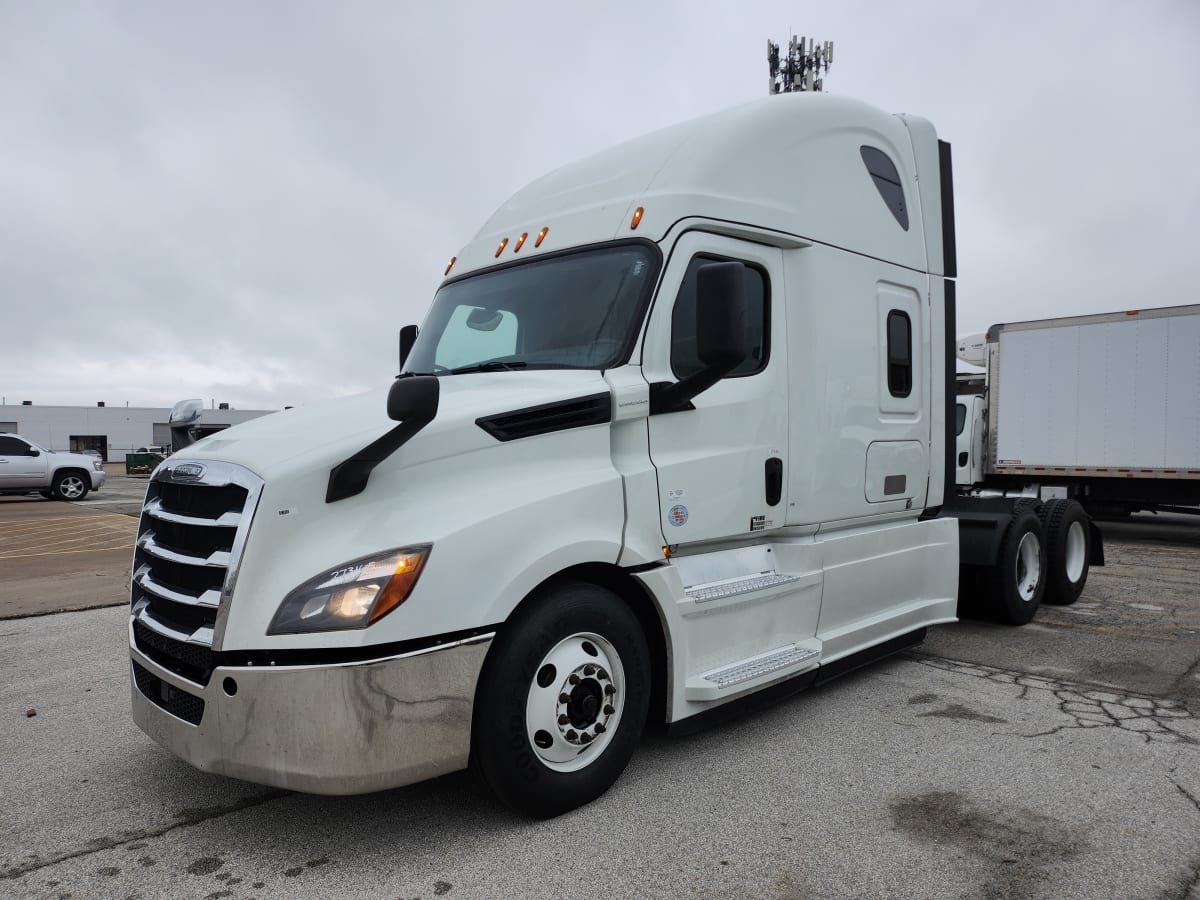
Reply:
x=245, y=201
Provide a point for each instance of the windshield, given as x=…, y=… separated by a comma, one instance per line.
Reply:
x=580, y=310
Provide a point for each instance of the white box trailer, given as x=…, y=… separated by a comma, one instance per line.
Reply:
x=1103, y=408
x=643, y=461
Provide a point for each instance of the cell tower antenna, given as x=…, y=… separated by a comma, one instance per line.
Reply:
x=801, y=68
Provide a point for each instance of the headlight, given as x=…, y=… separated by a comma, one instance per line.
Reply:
x=97, y=465
x=353, y=595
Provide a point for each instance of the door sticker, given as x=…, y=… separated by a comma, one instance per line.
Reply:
x=678, y=515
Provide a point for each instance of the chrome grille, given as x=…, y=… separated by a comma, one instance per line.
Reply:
x=189, y=542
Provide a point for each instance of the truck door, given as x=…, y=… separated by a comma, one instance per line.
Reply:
x=721, y=465
x=18, y=468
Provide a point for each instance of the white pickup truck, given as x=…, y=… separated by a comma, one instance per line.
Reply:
x=25, y=468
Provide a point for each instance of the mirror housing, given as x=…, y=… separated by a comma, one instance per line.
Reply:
x=720, y=336
x=413, y=402
x=414, y=397
x=33, y=451
x=408, y=337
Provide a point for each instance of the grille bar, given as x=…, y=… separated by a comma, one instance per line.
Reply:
x=218, y=558
x=210, y=598
x=154, y=509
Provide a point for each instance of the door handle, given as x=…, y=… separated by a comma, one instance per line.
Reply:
x=773, y=477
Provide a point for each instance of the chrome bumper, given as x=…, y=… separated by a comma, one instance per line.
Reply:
x=335, y=729
x=98, y=479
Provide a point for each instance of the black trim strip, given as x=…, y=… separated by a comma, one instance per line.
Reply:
x=561, y=415
x=328, y=656
x=950, y=482
x=949, y=247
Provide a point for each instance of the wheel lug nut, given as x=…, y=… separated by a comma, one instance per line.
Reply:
x=589, y=670
x=602, y=675
x=608, y=710
x=572, y=735
x=563, y=720
x=574, y=679
x=609, y=690
x=600, y=728
x=564, y=698
x=585, y=738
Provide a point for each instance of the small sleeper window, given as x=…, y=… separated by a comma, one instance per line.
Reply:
x=899, y=353
x=887, y=182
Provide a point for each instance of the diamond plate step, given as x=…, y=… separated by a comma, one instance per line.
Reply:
x=746, y=584
x=762, y=668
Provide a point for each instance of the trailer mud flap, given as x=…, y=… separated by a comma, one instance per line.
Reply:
x=1095, y=544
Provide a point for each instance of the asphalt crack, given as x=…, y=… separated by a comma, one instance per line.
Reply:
x=185, y=819
x=1190, y=880
x=1153, y=718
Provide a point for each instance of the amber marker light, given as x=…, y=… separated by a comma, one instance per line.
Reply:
x=503, y=244
x=520, y=241
x=396, y=591
x=450, y=265
x=541, y=236
x=637, y=219
x=667, y=552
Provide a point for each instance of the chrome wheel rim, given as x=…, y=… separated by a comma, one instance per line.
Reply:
x=71, y=487
x=1028, y=566
x=575, y=702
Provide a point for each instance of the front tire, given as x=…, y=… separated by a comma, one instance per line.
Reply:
x=1019, y=580
x=562, y=700
x=70, y=486
x=1066, y=529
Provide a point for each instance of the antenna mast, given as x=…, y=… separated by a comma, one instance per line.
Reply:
x=801, y=69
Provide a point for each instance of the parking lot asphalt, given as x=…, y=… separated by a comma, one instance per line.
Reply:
x=1061, y=759
x=66, y=556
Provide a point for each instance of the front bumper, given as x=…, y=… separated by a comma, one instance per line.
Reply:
x=330, y=729
x=98, y=479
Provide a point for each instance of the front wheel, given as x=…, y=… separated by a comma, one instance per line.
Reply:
x=561, y=701
x=70, y=486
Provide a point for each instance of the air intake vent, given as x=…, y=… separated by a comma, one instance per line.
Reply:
x=559, y=416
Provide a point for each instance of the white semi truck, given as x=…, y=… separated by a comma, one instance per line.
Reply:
x=672, y=435
x=1101, y=408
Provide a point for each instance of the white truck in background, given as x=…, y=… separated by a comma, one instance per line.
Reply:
x=642, y=462
x=1104, y=409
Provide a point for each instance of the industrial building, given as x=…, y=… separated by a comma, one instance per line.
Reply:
x=113, y=431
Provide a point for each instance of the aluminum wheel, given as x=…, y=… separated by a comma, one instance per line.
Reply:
x=71, y=487
x=1076, y=552
x=1029, y=566
x=575, y=702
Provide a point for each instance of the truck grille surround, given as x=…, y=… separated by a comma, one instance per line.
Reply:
x=193, y=528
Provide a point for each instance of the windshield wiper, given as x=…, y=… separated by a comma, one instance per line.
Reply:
x=493, y=366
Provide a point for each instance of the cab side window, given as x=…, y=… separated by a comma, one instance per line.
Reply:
x=684, y=359
x=11, y=446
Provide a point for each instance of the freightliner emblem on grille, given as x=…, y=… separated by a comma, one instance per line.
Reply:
x=188, y=470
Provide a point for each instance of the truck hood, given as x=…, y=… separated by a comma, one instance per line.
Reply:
x=324, y=434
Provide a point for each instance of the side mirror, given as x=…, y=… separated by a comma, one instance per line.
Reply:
x=408, y=337
x=33, y=451
x=413, y=402
x=720, y=336
x=414, y=397
x=721, y=315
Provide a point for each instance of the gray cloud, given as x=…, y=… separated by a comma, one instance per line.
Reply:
x=245, y=201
